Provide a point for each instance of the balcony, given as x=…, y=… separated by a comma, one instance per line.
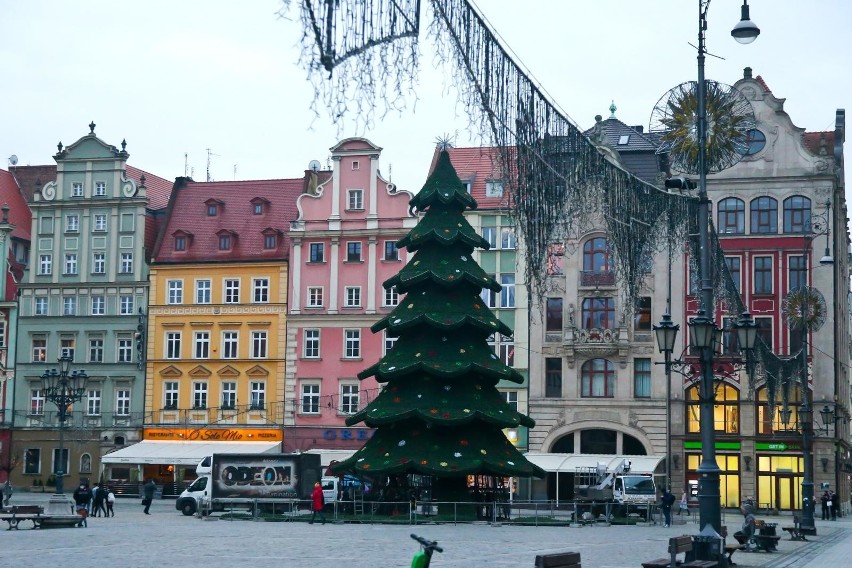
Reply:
x=597, y=279
x=596, y=343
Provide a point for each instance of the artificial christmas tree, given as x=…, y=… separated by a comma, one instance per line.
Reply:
x=440, y=413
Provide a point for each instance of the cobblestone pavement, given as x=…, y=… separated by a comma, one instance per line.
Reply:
x=167, y=539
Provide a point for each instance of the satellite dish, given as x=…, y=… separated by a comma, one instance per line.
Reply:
x=13, y=159
x=314, y=165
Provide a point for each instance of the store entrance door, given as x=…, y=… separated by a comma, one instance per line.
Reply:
x=786, y=492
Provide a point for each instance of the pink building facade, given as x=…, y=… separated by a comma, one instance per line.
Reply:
x=343, y=248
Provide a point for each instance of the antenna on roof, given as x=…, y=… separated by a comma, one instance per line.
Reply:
x=390, y=172
x=13, y=160
x=235, y=172
x=185, y=164
x=209, y=153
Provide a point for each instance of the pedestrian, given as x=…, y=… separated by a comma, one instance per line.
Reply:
x=317, y=503
x=98, y=499
x=148, y=492
x=110, y=501
x=666, y=502
x=833, y=505
x=823, y=501
x=7, y=493
x=82, y=497
x=684, y=504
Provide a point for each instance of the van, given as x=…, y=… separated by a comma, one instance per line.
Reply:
x=330, y=489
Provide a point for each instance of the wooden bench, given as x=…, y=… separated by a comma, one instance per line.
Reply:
x=796, y=530
x=677, y=545
x=17, y=513
x=766, y=542
x=560, y=560
x=58, y=521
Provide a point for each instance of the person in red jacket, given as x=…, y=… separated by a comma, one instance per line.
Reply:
x=317, y=503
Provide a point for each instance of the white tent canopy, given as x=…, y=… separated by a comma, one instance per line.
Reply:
x=568, y=463
x=183, y=453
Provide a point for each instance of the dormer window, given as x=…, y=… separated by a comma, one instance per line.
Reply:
x=182, y=240
x=493, y=189
x=271, y=238
x=259, y=205
x=226, y=239
x=213, y=207
x=180, y=243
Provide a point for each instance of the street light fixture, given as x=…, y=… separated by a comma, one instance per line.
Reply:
x=63, y=388
x=745, y=31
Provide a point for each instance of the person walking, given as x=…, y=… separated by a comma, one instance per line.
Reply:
x=82, y=496
x=317, y=503
x=684, y=504
x=98, y=499
x=666, y=502
x=834, y=505
x=823, y=501
x=148, y=492
x=110, y=501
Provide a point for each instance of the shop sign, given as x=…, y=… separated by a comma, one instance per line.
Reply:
x=776, y=446
x=718, y=445
x=214, y=434
x=346, y=434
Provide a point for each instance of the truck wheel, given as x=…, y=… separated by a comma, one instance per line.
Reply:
x=188, y=508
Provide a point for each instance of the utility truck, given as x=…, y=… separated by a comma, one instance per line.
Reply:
x=265, y=481
x=617, y=485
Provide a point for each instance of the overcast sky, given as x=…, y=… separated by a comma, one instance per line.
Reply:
x=175, y=78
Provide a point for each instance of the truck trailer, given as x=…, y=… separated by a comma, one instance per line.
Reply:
x=226, y=481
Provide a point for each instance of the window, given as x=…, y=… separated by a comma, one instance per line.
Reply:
x=726, y=409
x=180, y=243
x=507, y=294
x=69, y=306
x=96, y=350
x=391, y=251
x=489, y=296
x=125, y=349
x=355, y=199
x=764, y=215
x=348, y=399
x=596, y=255
x=310, y=398
x=125, y=305
x=199, y=395
x=317, y=252
x=270, y=241
x=642, y=378
x=258, y=395
x=797, y=214
x=312, y=344
x=225, y=242
x=71, y=263
x=98, y=263
x=32, y=461
x=493, y=189
x=389, y=342
x=506, y=351
x=507, y=239
x=355, y=165
x=315, y=296
x=173, y=345
x=553, y=315
x=352, y=343
x=642, y=315
x=126, y=262
x=39, y=349
x=232, y=291
x=260, y=290
x=175, y=291
x=259, y=344
x=98, y=305
x=93, y=402
x=353, y=251
x=734, y=265
x=764, y=330
x=2, y=333
x=798, y=271
x=100, y=222
x=100, y=188
x=229, y=395
x=756, y=141
x=45, y=264
x=40, y=306
x=122, y=402
x=72, y=223
x=598, y=313
x=37, y=402
x=230, y=344
x=170, y=394
x=391, y=297
x=203, y=291
x=732, y=216
x=765, y=425
x=763, y=275
x=553, y=377
x=598, y=378
x=77, y=189
x=490, y=235
x=352, y=295
x=212, y=209
x=511, y=399
x=202, y=345
x=258, y=208
x=66, y=347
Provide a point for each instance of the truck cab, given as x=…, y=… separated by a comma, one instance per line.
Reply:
x=187, y=501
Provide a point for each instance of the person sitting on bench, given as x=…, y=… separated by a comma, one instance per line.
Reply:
x=745, y=535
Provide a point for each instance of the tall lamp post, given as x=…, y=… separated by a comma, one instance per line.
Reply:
x=63, y=388
x=702, y=327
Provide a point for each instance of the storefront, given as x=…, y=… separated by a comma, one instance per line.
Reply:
x=779, y=475
x=728, y=459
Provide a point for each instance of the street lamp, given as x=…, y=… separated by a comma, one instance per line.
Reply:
x=63, y=389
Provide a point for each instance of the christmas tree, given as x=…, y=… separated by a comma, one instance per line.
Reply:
x=440, y=413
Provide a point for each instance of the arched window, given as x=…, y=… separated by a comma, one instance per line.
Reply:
x=797, y=214
x=764, y=216
x=596, y=255
x=86, y=463
x=767, y=425
x=731, y=216
x=632, y=446
x=726, y=411
x=598, y=376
